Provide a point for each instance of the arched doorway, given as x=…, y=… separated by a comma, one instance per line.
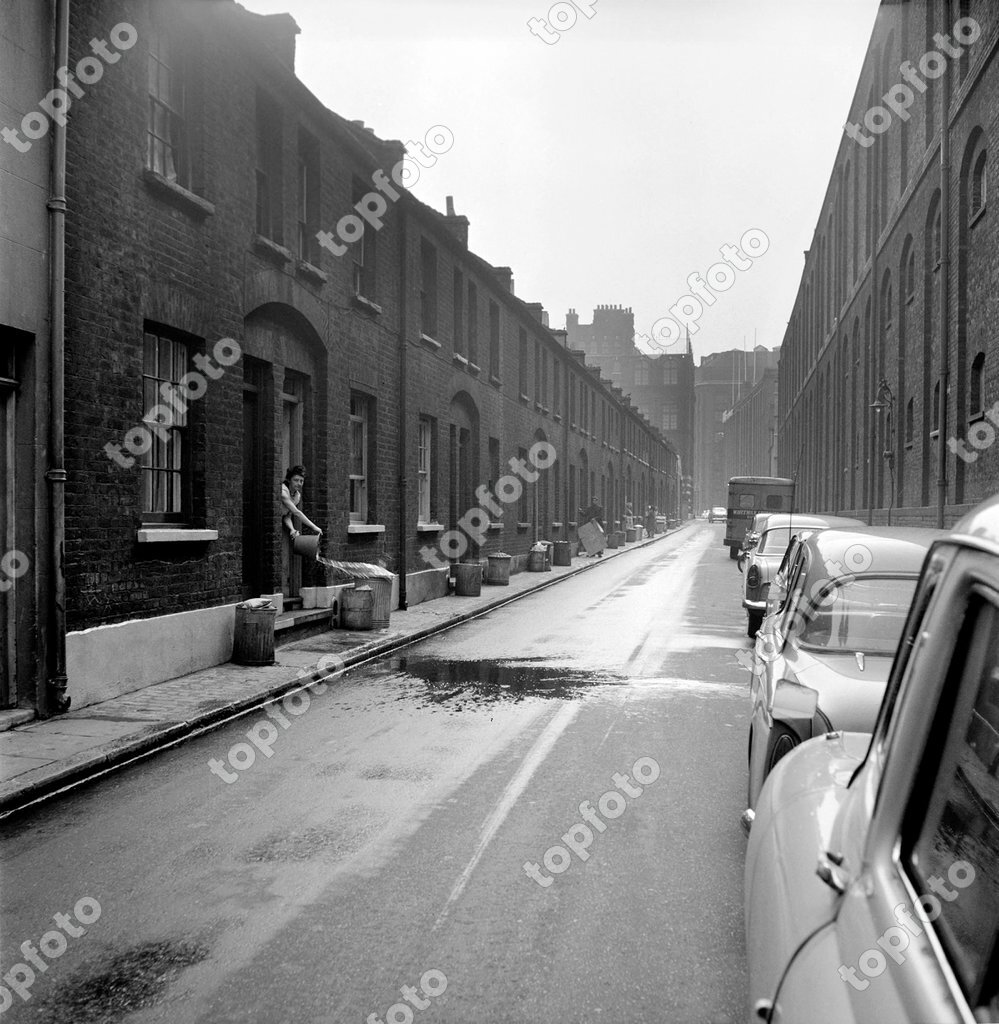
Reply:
x=283, y=381
x=463, y=461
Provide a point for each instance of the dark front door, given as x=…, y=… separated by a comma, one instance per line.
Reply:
x=255, y=503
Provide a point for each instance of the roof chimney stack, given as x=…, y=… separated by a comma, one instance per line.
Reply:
x=458, y=225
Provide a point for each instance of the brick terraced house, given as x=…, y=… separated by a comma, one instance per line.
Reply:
x=224, y=322
x=889, y=370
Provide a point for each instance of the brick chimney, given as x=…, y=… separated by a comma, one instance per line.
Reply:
x=538, y=312
x=278, y=32
x=458, y=224
x=505, y=277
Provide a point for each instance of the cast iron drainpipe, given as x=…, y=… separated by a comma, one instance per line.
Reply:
x=944, y=296
x=56, y=698
x=403, y=411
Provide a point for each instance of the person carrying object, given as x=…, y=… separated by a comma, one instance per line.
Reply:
x=291, y=498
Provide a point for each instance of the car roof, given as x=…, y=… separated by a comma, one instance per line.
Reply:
x=782, y=520
x=884, y=548
x=981, y=525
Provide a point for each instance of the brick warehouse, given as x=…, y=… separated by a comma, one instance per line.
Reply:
x=897, y=308
x=404, y=373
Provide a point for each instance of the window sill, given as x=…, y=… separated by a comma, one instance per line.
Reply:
x=524, y=398
x=495, y=526
x=910, y=298
x=523, y=526
x=908, y=448
x=572, y=525
x=472, y=368
x=362, y=303
x=495, y=381
x=182, y=197
x=459, y=359
x=934, y=434
x=174, y=535
x=557, y=526
x=976, y=216
x=358, y=529
x=271, y=250
x=538, y=406
x=557, y=417
x=432, y=342
x=310, y=271
x=976, y=417
x=429, y=527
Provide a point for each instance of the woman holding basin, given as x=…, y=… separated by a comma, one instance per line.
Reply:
x=291, y=498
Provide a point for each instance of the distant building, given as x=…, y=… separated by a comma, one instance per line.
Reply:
x=750, y=429
x=662, y=387
x=721, y=381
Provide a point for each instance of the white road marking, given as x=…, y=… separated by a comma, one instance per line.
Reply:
x=535, y=757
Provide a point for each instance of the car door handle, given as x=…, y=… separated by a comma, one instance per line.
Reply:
x=829, y=870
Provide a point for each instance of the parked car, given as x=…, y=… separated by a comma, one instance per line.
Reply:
x=833, y=641
x=872, y=871
x=717, y=515
x=753, y=535
x=762, y=561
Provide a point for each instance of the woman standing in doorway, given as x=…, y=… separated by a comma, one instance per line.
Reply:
x=291, y=498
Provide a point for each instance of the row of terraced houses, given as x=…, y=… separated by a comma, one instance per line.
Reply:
x=890, y=363
x=197, y=194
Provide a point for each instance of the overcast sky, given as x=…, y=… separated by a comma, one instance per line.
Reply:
x=608, y=166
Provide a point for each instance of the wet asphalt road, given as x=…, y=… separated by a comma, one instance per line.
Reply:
x=385, y=839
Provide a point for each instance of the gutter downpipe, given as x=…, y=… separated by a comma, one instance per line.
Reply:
x=55, y=698
x=403, y=410
x=944, y=297
x=877, y=341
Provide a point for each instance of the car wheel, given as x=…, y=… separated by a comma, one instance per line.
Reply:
x=753, y=623
x=782, y=741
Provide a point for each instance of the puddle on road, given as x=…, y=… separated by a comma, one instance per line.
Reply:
x=453, y=682
x=331, y=841
x=129, y=981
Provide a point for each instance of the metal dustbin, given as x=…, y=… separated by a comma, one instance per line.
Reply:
x=563, y=553
x=538, y=559
x=253, y=635
x=498, y=569
x=467, y=579
x=630, y=535
x=613, y=539
x=382, y=590
x=357, y=608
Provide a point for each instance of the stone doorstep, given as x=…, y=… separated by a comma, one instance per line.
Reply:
x=15, y=716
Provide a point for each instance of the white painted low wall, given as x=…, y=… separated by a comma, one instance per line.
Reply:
x=107, y=661
x=425, y=585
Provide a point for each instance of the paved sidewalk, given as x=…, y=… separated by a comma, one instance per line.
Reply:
x=39, y=758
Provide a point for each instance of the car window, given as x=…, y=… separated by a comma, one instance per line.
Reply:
x=954, y=849
x=912, y=635
x=747, y=501
x=859, y=613
x=775, y=541
x=775, y=501
x=796, y=581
